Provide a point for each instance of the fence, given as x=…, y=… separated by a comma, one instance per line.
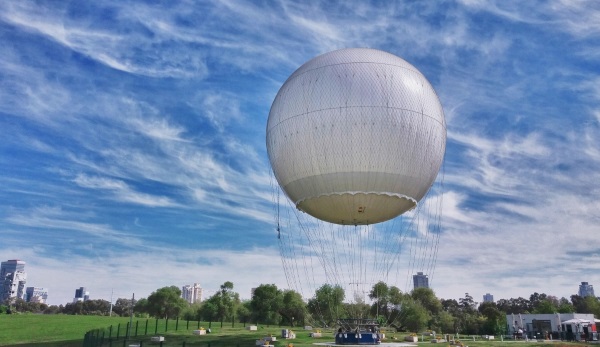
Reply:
x=130, y=334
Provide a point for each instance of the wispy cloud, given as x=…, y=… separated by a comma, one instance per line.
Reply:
x=122, y=192
x=140, y=126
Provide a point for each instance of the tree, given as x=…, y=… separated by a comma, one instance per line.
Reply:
x=494, y=318
x=414, y=317
x=467, y=304
x=24, y=306
x=191, y=312
x=73, y=308
x=123, y=306
x=222, y=305
x=97, y=307
x=358, y=308
x=380, y=293
x=166, y=302
x=244, y=311
x=209, y=309
x=52, y=309
x=293, y=308
x=445, y=322
x=565, y=306
x=266, y=303
x=427, y=298
x=452, y=307
x=588, y=304
x=387, y=301
x=141, y=306
x=545, y=306
x=327, y=303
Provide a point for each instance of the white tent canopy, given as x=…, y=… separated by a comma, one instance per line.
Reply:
x=577, y=321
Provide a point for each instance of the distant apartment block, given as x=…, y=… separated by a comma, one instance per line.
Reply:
x=488, y=298
x=192, y=293
x=586, y=289
x=36, y=294
x=81, y=294
x=12, y=280
x=420, y=280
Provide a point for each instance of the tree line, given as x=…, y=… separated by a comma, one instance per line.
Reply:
x=413, y=311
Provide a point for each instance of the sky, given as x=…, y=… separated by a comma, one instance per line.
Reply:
x=132, y=138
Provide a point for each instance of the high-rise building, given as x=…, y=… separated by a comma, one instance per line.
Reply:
x=81, y=294
x=36, y=294
x=12, y=280
x=192, y=294
x=586, y=289
x=420, y=280
x=488, y=298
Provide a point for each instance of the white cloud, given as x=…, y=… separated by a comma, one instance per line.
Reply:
x=120, y=191
x=137, y=54
x=125, y=273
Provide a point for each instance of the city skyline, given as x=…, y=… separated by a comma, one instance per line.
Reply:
x=133, y=150
x=195, y=293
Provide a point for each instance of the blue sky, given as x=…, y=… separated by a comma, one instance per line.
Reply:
x=132, y=152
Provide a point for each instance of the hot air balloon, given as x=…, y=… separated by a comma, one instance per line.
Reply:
x=356, y=138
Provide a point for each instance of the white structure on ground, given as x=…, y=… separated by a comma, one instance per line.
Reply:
x=556, y=326
x=192, y=293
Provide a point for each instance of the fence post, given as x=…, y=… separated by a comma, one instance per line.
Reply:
x=187, y=327
x=137, y=322
x=146, y=331
x=118, y=330
x=110, y=332
x=156, y=327
x=177, y=324
x=167, y=324
x=199, y=324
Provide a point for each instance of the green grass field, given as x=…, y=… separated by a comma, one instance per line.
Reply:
x=66, y=331
x=29, y=329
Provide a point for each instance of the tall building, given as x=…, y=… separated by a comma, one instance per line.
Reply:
x=12, y=280
x=192, y=294
x=81, y=294
x=36, y=294
x=420, y=281
x=488, y=298
x=586, y=289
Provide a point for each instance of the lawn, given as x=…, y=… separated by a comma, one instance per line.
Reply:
x=29, y=329
x=66, y=331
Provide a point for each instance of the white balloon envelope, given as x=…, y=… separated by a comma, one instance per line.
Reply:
x=356, y=136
